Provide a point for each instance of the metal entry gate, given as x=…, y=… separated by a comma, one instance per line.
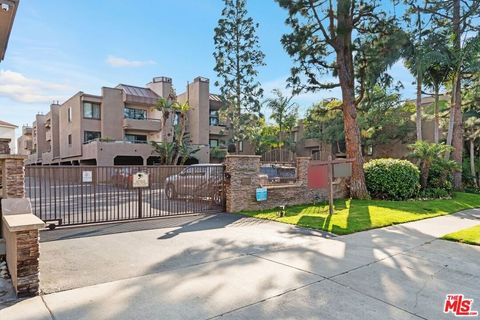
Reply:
x=72, y=195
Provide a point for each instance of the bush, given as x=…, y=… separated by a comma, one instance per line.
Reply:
x=441, y=175
x=392, y=179
x=434, y=193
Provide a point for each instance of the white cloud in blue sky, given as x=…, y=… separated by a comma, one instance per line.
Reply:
x=118, y=62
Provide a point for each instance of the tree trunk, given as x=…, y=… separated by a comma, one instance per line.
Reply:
x=419, y=105
x=450, y=121
x=424, y=174
x=436, y=133
x=472, y=162
x=457, y=136
x=358, y=188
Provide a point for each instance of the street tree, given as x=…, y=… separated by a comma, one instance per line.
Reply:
x=238, y=57
x=328, y=40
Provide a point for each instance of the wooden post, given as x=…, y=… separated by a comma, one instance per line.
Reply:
x=330, y=185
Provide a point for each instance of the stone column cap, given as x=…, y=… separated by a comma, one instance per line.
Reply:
x=22, y=222
x=13, y=156
x=12, y=206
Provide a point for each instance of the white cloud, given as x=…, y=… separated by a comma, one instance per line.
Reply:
x=118, y=62
x=17, y=87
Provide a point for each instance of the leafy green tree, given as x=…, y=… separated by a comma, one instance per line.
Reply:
x=238, y=55
x=384, y=118
x=324, y=121
x=328, y=40
x=285, y=114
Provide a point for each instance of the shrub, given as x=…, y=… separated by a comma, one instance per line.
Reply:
x=434, y=193
x=441, y=175
x=392, y=179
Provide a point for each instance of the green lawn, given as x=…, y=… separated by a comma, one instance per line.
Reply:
x=358, y=215
x=470, y=236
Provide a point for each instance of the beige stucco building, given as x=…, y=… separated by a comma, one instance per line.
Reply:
x=7, y=134
x=115, y=128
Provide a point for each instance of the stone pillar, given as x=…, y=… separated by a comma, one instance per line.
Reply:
x=302, y=171
x=20, y=230
x=242, y=179
x=13, y=176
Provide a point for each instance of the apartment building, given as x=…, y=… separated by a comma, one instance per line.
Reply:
x=25, y=141
x=115, y=128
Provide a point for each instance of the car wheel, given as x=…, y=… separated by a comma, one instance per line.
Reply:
x=170, y=192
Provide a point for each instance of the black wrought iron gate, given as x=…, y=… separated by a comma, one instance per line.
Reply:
x=72, y=195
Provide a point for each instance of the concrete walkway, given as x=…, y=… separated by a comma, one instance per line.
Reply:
x=241, y=268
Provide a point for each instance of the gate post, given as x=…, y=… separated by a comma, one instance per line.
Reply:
x=241, y=180
x=13, y=176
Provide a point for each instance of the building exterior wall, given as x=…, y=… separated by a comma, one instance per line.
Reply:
x=112, y=113
x=7, y=132
x=71, y=147
x=24, y=142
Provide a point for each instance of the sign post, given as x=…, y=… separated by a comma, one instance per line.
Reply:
x=322, y=173
x=330, y=183
x=140, y=180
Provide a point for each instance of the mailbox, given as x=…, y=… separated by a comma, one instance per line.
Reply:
x=140, y=180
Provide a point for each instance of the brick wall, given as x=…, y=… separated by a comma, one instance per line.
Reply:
x=242, y=181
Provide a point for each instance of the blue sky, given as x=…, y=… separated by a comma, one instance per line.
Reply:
x=58, y=48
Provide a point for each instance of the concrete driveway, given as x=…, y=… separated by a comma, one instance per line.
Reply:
x=241, y=268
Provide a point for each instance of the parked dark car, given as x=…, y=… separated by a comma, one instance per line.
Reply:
x=198, y=181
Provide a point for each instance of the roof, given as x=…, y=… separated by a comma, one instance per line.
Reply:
x=136, y=94
x=6, y=124
x=214, y=97
x=6, y=23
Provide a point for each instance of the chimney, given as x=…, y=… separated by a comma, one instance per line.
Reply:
x=162, y=86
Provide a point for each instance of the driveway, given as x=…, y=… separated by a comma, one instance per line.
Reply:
x=229, y=266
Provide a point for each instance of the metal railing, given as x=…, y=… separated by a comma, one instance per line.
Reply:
x=72, y=195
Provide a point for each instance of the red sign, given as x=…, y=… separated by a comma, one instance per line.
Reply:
x=459, y=306
x=318, y=176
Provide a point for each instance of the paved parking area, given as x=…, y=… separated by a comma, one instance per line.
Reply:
x=234, y=267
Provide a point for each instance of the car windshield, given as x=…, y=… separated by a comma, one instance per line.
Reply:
x=194, y=171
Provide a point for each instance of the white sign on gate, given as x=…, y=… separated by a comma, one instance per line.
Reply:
x=140, y=180
x=87, y=176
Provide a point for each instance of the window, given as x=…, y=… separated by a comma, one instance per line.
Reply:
x=137, y=114
x=69, y=139
x=135, y=138
x=316, y=154
x=295, y=136
x=90, y=136
x=69, y=114
x=240, y=146
x=213, y=143
x=214, y=118
x=91, y=110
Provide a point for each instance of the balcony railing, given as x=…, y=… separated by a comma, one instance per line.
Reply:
x=146, y=124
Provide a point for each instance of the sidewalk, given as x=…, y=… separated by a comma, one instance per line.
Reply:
x=248, y=270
